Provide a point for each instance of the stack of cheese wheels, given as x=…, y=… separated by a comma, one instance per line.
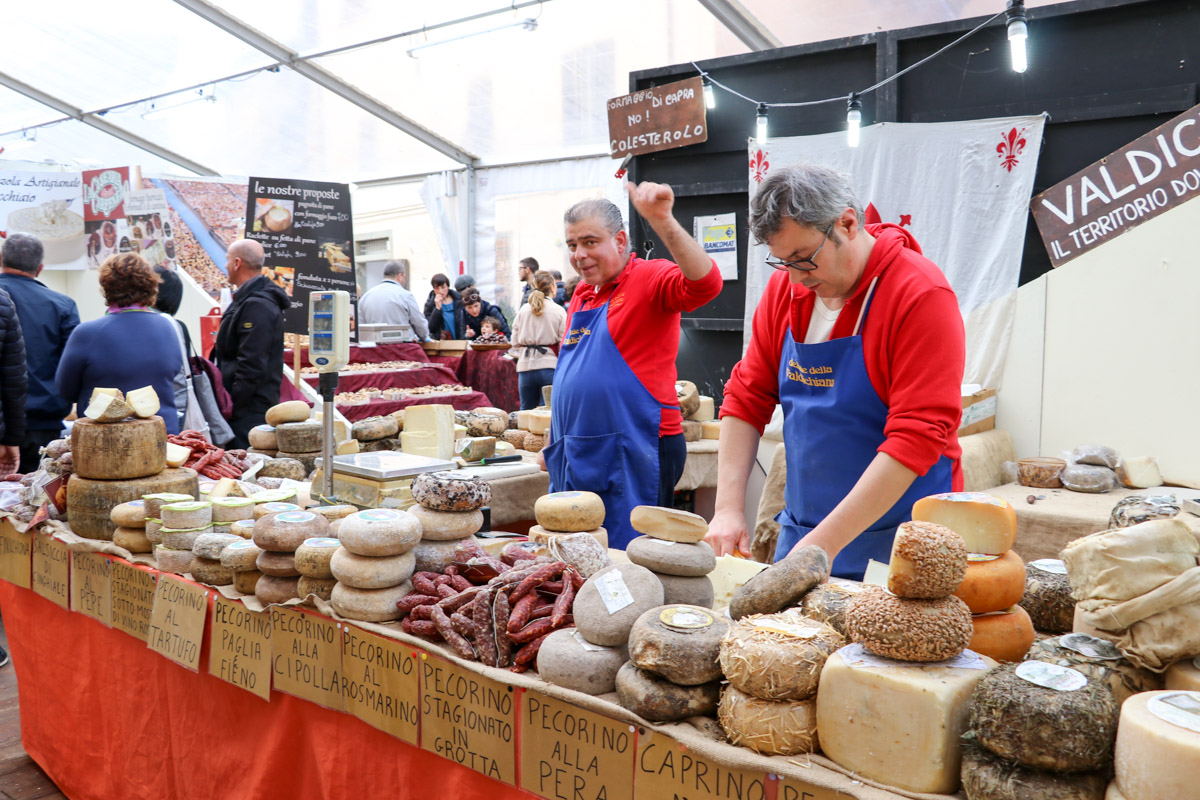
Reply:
x=1045, y=729
x=376, y=433
x=182, y=523
x=773, y=663
x=241, y=558
x=448, y=508
x=374, y=563
x=228, y=510
x=568, y=512
x=1158, y=746
x=672, y=671
x=153, y=503
x=130, y=519
x=699, y=413
x=300, y=441
x=115, y=462
x=206, y=564
x=313, y=559
x=279, y=535
x=606, y=609
x=535, y=423
x=995, y=578
x=672, y=547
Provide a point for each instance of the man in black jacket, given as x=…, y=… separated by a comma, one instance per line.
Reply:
x=249, y=349
x=13, y=384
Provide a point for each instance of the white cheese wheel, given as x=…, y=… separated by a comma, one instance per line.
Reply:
x=668, y=524
x=568, y=660
x=241, y=556
x=291, y=411
x=706, y=412
x=770, y=727
x=1184, y=675
x=379, y=532
x=177, y=539
x=1158, y=746
x=270, y=589
x=129, y=515
x=987, y=524
x=155, y=502
x=657, y=700
x=277, y=565
x=312, y=557
x=630, y=591
x=928, y=561
x=448, y=491
x=371, y=572
x=285, y=531
x=211, y=572
x=368, y=605
x=132, y=539
x=185, y=515
x=672, y=558
x=696, y=591
x=243, y=528
x=778, y=656
x=118, y=451
x=170, y=560
x=262, y=437
x=679, y=643
x=442, y=526
x=232, y=509
x=90, y=502
x=210, y=545
x=321, y=587
x=263, y=509
x=569, y=512
x=246, y=581
x=539, y=421
x=372, y=428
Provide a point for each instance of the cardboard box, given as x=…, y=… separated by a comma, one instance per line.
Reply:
x=979, y=412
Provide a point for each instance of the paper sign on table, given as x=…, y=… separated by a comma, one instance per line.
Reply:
x=51, y=569
x=91, y=586
x=239, y=647
x=307, y=656
x=665, y=768
x=177, y=621
x=379, y=683
x=16, y=554
x=570, y=752
x=132, y=599
x=468, y=719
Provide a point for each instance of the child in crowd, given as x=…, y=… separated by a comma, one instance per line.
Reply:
x=490, y=332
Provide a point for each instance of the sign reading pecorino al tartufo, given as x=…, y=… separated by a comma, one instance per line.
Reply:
x=1147, y=177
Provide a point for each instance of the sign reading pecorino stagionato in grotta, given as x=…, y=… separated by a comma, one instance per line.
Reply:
x=1147, y=177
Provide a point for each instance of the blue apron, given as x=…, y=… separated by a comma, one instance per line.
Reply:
x=833, y=424
x=604, y=426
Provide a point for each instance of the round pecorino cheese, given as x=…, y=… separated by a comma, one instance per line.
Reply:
x=444, y=526
x=610, y=601
x=672, y=558
x=446, y=491
x=568, y=660
x=371, y=572
x=379, y=532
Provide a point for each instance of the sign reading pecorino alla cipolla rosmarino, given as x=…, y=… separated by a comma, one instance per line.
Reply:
x=1150, y=175
x=307, y=238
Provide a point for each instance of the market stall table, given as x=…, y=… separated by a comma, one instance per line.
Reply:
x=487, y=371
x=462, y=401
x=355, y=380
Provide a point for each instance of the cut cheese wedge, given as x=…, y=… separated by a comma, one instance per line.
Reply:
x=177, y=454
x=987, y=524
x=143, y=401
x=107, y=408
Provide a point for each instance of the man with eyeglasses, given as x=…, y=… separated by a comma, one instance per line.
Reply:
x=859, y=337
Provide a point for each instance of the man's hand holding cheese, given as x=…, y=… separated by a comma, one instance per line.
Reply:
x=859, y=337
x=616, y=428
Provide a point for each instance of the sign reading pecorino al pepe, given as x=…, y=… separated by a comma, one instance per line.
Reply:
x=661, y=118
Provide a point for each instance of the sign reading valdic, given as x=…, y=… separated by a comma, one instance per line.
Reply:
x=661, y=118
x=91, y=586
x=570, y=752
x=51, y=569
x=16, y=554
x=665, y=768
x=1147, y=177
x=379, y=683
x=307, y=656
x=239, y=648
x=132, y=599
x=304, y=228
x=467, y=718
x=177, y=621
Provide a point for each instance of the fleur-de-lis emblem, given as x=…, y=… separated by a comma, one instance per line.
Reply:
x=1011, y=145
x=760, y=165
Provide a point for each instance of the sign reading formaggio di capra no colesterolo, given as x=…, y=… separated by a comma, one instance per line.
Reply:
x=660, y=118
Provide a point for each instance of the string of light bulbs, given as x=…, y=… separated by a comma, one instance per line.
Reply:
x=1018, y=33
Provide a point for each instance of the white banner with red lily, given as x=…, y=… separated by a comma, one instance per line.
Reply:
x=961, y=188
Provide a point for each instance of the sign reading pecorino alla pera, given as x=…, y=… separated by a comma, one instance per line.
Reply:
x=1147, y=177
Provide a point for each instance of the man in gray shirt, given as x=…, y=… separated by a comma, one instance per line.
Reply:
x=391, y=304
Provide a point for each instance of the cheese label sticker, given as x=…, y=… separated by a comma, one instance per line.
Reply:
x=684, y=618
x=1177, y=708
x=977, y=557
x=137, y=503
x=1090, y=646
x=1051, y=676
x=273, y=508
x=378, y=515
x=295, y=517
x=319, y=541
x=613, y=591
x=585, y=644
x=1051, y=565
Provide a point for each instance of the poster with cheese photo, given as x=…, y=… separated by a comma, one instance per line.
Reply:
x=50, y=206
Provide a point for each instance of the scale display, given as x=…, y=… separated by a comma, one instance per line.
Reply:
x=329, y=330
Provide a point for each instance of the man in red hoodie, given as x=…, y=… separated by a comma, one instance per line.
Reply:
x=859, y=337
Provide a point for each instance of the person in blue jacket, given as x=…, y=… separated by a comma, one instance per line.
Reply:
x=444, y=310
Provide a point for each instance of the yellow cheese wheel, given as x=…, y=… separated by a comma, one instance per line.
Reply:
x=987, y=524
x=569, y=512
x=1004, y=636
x=992, y=583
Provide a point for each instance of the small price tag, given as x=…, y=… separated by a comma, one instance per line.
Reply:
x=1051, y=676
x=613, y=591
x=585, y=644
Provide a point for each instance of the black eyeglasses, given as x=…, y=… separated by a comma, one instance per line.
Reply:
x=783, y=265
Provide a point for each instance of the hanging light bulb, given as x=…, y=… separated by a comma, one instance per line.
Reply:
x=853, y=119
x=1018, y=32
x=710, y=100
x=761, y=136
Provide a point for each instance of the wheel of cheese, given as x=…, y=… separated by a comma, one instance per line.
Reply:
x=132, y=539
x=263, y=509
x=689, y=397
x=534, y=443
x=246, y=581
x=371, y=572
x=243, y=528
x=281, y=495
x=332, y=513
x=186, y=515
x=827, y=602
x=377, y=446
x=668, y=524
x=177, y=539
x=256, y=451
x=232, y=509
x=1184, y=675
x=312, y=557
x=928, y=561
x=1099, y=660
x=277, y=565
x=307, y=461
x=281, y=467
x=672, y=558
x=291, y=411
x=707, y=412
x=692, y=431
x=320, y=587
x=770, y=727
x=270, y=590
x=696, y=591
x=679, y=643
x=90, y=502
x=283, y=532
x=569, y=512
x=155, y=502
x=606, y=623
x=992, y=583
x=210, y=545
x=517, y=439
x=262, y=437
x=986, y=776
x=372, y=428
x=129, y=515
x=909, y=630
x=434, y=556
x=379, y=532
x=1158, y=746
x=368, y=605
x=169, y=560
x=710, y=429
x=153, y=528
x=1002, y=635
x=568, y=660
x=241, y=556
x=778, y=656
x=118, y=450
x=447, y=491
x=542, y=536
x=987, y=524
x=484, y=424
x=211, y=572
x=444, y=526
x=657, y=700
x=1047, y=596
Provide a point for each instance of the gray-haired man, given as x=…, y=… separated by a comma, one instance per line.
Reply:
x=390, y=303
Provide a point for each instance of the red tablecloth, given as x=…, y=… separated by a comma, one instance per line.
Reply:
x=371, y=355
x=429, y=375
x=463, y=402
x=107, y=718
x=449, y=361
x=488, y=371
